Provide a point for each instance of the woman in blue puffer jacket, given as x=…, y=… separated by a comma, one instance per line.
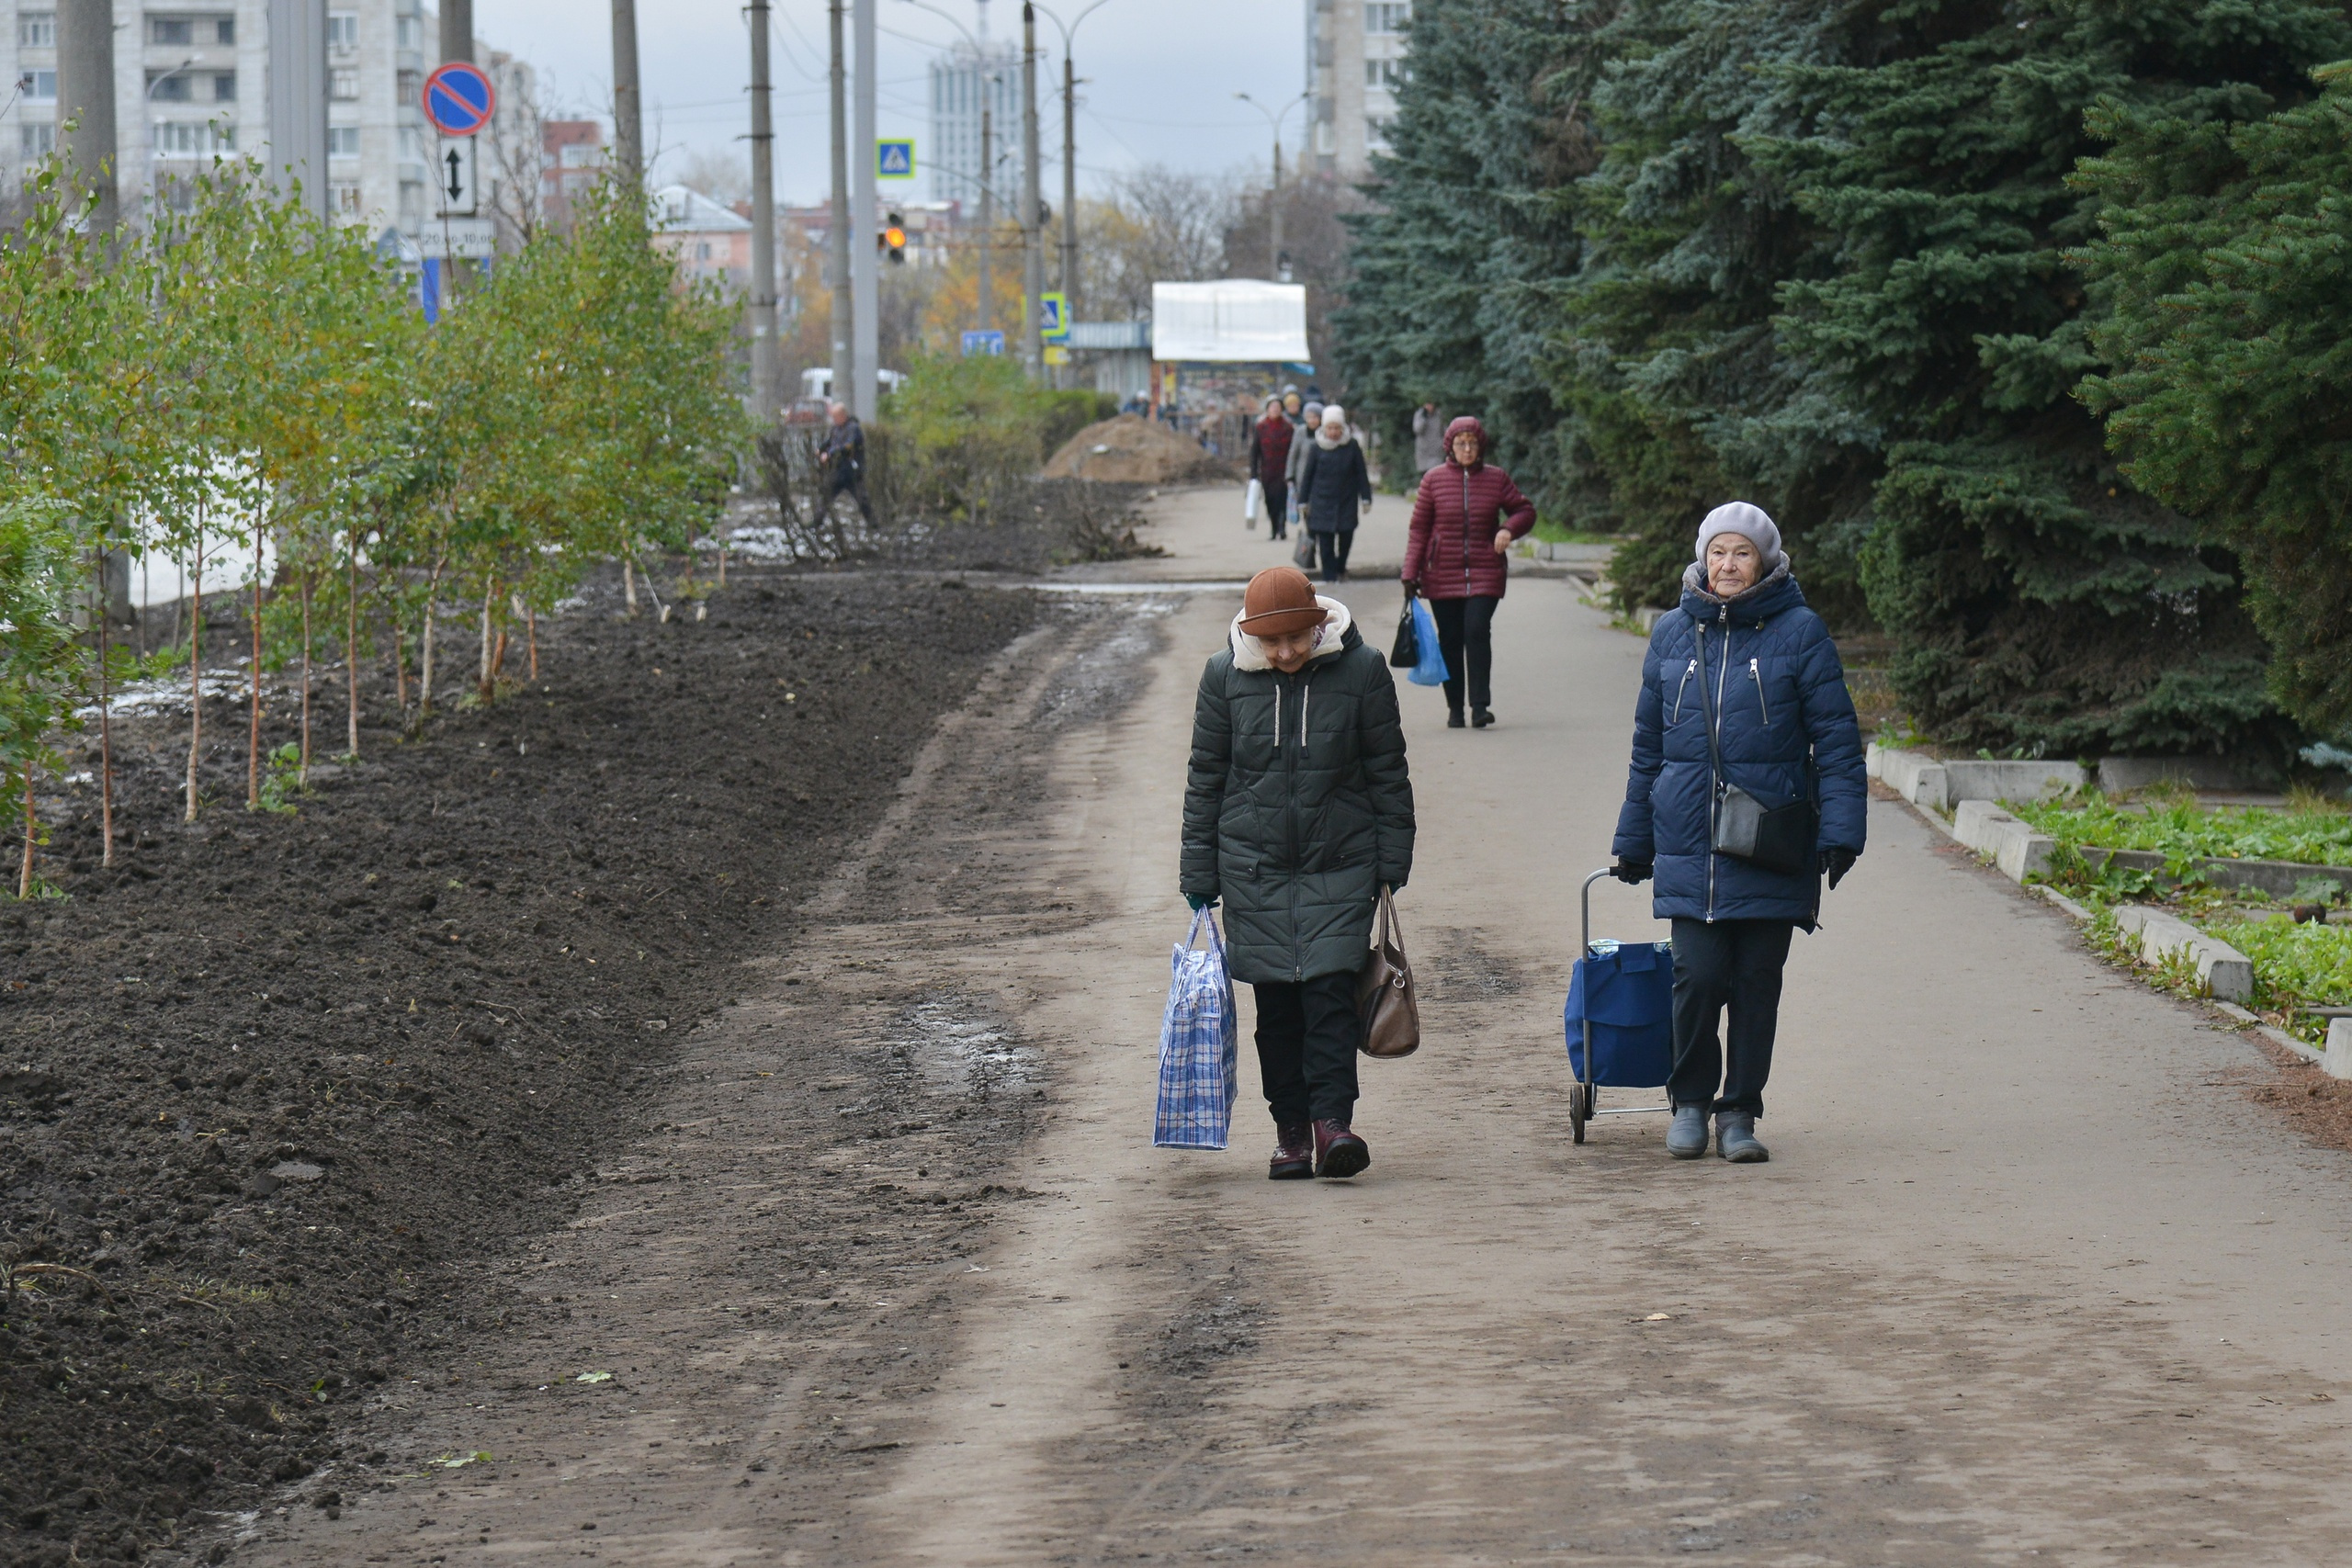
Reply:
x=1744, y=651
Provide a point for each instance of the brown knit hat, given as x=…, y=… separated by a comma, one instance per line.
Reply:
x=1281, y=601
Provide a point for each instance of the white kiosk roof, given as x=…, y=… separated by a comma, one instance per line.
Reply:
x=1230, y=321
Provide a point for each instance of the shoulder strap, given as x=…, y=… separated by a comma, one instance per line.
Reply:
x=1707, y=710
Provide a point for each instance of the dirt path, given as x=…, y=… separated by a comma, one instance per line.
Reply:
x=2026, y=1280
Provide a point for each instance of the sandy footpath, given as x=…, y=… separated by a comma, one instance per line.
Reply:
x=2025, y=1280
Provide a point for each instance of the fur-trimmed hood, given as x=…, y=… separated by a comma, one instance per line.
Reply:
x=1249, y=653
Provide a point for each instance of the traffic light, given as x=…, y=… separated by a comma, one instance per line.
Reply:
x=893, y=238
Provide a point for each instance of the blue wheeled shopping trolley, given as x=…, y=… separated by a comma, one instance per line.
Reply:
x=1619, y=1020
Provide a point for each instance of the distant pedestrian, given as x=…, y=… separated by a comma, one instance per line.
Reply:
x=1744, y=655
x=1334, y=486
x=842, y=458
x=1429, y=438
x=1269, y=444
x=1457, y=555
x=1310, y=419
x=1297, y=810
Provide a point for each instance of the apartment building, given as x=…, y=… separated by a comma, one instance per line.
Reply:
x=1355, y=60
x=192, y=83
x=964, y=81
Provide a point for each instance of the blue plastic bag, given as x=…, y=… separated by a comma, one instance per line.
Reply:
x=1198, y=1075
x=1431, y=671
x=1626, y=990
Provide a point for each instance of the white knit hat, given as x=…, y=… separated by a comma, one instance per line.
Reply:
x=1751, y=523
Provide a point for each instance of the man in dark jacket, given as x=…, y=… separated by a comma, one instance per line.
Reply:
x=1297, y=810
x=1270, y=461
x=1457, y=555
x=842, y=458
x=1745, y=657
x=1334, y=485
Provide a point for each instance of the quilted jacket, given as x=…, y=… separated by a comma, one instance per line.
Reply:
x=1297, y=805
x=1786, y=730
x=1450, y=545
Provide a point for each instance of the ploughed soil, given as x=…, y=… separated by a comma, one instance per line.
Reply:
x=270, y=1084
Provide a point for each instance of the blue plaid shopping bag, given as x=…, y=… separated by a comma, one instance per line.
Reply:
x=1198, y=1065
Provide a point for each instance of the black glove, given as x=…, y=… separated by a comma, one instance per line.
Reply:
x=1201, y=901
x=1632, y=872
x=1836, y=863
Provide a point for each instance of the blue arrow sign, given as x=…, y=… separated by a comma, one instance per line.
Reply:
x=895, y=160
x=983, y=343
x=458, y=98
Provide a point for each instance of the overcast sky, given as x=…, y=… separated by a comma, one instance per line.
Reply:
x=1162, y=77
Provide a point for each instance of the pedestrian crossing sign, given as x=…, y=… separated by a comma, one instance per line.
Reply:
x=895, y=160
x=1053, y=319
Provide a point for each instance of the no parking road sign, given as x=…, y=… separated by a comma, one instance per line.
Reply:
x=458, y=98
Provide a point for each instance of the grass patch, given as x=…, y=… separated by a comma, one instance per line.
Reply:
x=2314, y=830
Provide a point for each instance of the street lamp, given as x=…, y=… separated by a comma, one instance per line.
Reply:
x=1274, y=119
x=149, y=98
x=1069, y=152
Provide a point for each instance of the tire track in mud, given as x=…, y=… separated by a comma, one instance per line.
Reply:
x=758, y=1283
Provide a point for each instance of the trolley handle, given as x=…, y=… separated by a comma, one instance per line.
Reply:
x=1585, y=951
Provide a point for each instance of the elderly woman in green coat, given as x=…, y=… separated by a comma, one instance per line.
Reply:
x=1297, y=810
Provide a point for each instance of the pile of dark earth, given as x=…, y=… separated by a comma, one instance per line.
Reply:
x=272, y=1083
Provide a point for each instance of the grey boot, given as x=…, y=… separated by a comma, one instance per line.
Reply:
x=1686, y=1136
x=1735, y=1138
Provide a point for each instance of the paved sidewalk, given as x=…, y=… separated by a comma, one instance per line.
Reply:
x=2027, y=1278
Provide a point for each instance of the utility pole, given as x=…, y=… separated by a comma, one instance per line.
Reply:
x=988, y=200
x=864, y=264
x=1033, y=256
x=628, y=103
x=845, y=341
x=458, y=30
x=1274, y=214
x=764, y=343
x=1069, y=182
x=85, y=102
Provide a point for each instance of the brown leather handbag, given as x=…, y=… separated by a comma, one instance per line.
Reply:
x=1392, y=1024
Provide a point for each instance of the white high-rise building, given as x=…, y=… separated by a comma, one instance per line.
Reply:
x=963, y=81
x=191, y=82
x=1355, y=60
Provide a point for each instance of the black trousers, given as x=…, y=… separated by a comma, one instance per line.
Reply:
x=1307, y=1033
x=1734, y=963
x=1277, y=502
x=1466, y=635
x=852, y=481
x=1334, y=548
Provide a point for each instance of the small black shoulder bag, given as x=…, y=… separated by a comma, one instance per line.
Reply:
x=1776, y=838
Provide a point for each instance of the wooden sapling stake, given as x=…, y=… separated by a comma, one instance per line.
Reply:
x=531, y=628
x=32, y=829
x=351, y=654
x=628, y=583
x=482, y=688
x=425, y=654
x=252, y=731
x=106, y=729
x=196, y=662
x=302, y=772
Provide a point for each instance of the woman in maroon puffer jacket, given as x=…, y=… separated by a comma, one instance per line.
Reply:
x=1457, y=556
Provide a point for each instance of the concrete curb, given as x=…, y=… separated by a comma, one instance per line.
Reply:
x=2278, y=1037
x=1945, y=782
x=2226, y=973
x=2337, y=1059
x=2015, y=847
